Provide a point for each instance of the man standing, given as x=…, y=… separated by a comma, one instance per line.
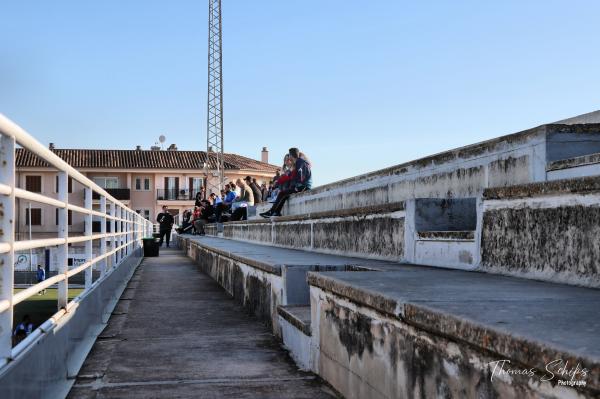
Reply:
x=41, y=276
x=165, y=220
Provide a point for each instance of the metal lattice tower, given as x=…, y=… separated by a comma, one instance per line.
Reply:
x=214, y=140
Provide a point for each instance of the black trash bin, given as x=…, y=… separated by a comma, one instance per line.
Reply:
x=150, y=246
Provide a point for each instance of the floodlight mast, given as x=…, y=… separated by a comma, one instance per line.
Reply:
x=214, y=139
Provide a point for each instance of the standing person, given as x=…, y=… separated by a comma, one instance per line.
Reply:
x=41, y=276
x=264, y=192
x=165, y=219
x=301, y=180
x=199, y=198
x=255, y=189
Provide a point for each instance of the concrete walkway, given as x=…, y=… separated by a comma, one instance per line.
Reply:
x=176, y=334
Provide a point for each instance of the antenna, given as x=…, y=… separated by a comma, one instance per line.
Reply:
x=214, y=131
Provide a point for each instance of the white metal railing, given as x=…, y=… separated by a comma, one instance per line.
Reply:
x=127, y=229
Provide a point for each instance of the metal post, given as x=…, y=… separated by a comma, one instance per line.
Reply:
x=7, y=236
x=113, y=230
x=103, y=262
x=63, y=232
x=88, y=233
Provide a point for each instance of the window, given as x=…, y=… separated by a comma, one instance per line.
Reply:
x=69, y=217
x=145, y=213
x=36, y=216
x=142, y=183
x=196, y=184
x=33, y=184
x=107, y=182
x=69, y=184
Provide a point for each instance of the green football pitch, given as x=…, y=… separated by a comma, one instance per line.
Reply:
x=40, y=307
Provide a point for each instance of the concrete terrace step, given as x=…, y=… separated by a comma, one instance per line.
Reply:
x=529, y=322
x=298, y=316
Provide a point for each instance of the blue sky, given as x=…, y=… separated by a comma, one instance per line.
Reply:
x=358, y=85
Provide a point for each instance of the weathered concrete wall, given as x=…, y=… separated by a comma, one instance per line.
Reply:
x=367, y=232
x=259, y=288
x=554, y=237
x=463, y=172
x=367, y=354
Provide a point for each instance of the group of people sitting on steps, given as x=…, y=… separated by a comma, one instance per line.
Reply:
x=236, y=197
x=296, y=177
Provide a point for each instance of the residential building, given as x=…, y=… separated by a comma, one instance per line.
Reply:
x=144, y=180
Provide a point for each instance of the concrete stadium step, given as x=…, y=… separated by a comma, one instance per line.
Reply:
x=176, y=334
x=295, y=323
x=357, y=232
x=383, y=313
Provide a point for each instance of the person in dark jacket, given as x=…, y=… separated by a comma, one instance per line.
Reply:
x=301, y=180
x=165, y=220
x=255, y=189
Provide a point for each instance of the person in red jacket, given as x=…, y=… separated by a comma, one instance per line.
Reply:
x=299, y=179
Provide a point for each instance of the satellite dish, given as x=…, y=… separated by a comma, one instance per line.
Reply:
x=162, y=139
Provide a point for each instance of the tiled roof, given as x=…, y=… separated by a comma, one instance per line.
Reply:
x=140, y=159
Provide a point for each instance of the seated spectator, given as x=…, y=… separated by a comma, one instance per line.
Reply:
x=22, y=330
x=217, y=206
x=236, y=189
x=196, y=216
x=225, y=205
x=206, y=211
x=300, y=180
x=255, y=189
x=186, y=223
x=240, y=206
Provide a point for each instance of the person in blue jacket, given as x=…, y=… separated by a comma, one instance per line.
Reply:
x=40, y=274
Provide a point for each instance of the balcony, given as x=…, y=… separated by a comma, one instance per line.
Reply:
x=172, y=194
x=122, y=194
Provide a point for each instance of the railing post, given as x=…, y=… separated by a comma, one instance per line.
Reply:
x=118, y=237
x=113, y=230
x=63, y=232
x=88, y=233
x=103, y=262
x=7, y=236
x=126, y=227
x=128, y=237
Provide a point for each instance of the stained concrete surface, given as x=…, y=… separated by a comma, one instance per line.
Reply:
x=277, y=256
x=176, y=334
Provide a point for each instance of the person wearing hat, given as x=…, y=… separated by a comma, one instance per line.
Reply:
x=255, y=189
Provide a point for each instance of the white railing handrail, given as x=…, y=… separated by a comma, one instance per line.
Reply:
x=11, y=129
x=127, y=229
